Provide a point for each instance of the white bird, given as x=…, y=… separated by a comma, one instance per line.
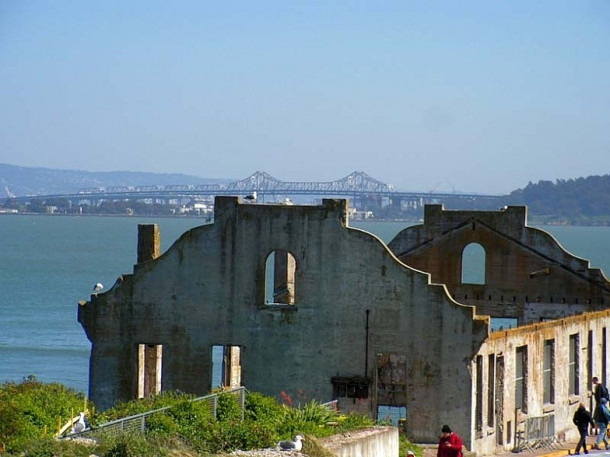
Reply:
x=98, y=286
x=295, y=445
x=80, y=425
x=251, y=197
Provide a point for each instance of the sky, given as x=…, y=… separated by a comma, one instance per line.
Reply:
x=464, y=96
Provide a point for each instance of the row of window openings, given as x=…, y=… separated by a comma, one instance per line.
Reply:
x=496, y=372
x=226, y=372
x=226, y=368
x=280, y=269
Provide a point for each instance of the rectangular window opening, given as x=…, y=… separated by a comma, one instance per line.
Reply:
x=391, y=415
x=479, y=395
x=503, y=323
x=491, y=383
x=604, y=355
x=548, y=371
x=226, y=366
x=521, y=378
x=573, y=365
x=150, y=357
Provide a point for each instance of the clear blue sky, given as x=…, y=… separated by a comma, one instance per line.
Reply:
x=473, y=96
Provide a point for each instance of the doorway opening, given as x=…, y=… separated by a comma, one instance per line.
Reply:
x=150, y=358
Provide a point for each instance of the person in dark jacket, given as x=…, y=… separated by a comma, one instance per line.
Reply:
x=601, y=416
x=582, y=419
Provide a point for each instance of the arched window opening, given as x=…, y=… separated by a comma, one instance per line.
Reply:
x=473, y=264
x=280, y=269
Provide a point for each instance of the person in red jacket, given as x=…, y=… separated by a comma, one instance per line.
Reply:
x=450, y=444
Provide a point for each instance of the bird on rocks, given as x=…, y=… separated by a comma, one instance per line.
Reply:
x=98, y=286
x=288, y=445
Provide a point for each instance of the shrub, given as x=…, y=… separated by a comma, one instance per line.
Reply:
x=185, y=428
x=142, y=405
x=228, y=409
x=32, y=410
x=312, y=418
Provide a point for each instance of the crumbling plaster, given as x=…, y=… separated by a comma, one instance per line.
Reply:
x=528, y=275
x=209, y=289
x=356, y=298
x=591, y=359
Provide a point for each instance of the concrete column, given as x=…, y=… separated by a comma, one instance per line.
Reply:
x=149, y=242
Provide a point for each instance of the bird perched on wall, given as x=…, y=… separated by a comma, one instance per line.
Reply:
x=251, y=197
x=98, y=286
x=288, y=445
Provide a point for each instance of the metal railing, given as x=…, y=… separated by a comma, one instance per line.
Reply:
x=538, y=433
x=137, y=422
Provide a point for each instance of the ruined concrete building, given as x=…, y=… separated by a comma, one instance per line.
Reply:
x=304, y=305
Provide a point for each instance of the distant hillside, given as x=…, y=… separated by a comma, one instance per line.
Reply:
x=577, y=201
x=21, y=181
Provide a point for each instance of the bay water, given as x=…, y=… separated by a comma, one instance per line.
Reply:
x=50, y=263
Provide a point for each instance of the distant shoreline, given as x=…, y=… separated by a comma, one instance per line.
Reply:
x=532, y=220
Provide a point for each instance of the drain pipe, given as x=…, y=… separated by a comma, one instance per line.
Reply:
x=366, y=346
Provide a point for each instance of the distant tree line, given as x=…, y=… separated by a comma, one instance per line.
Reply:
x=113, y=208
x=581, y=201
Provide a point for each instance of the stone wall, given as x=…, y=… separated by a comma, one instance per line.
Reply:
x=306, y=307
x=552, y=384
x=375, y=442
x=527, y=274
x=353, y=300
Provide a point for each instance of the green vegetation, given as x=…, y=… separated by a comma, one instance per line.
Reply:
x=32, y=411
x=582, y=201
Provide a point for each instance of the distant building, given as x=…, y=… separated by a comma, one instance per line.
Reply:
x=303, y=305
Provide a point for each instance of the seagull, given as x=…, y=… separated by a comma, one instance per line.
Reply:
x=295, y=445
x=252, y=196
x=80, y=425
x=98, y=286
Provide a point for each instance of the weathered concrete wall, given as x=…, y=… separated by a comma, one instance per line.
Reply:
x=377, y=442
x=499, y=430
x=209, y=289
x=528, y=275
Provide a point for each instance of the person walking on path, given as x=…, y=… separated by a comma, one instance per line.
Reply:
x=450, y=444
x=582, y=418
x=601, y=415
x=599, y=391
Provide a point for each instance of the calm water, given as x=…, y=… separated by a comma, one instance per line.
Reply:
x=48, y=264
